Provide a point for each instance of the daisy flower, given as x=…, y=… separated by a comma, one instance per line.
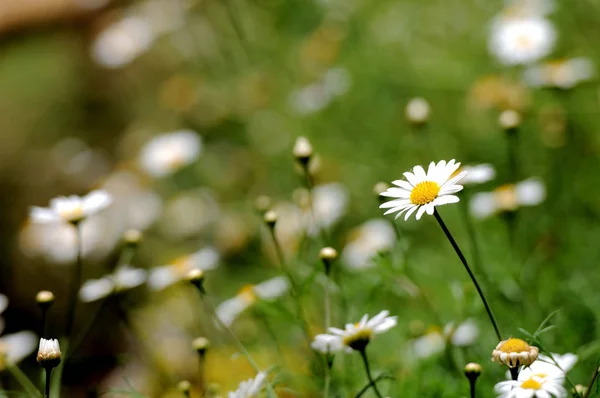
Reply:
x=249, y=388
x=564, y=73
x=435, y=339
x=356, y=336
x=367, y=241
x=546, y=367
x=532, y=387
x=71, y=209
x=166, y=275
x=508, y=197
x=422, y=191
x=124, y=278
x=269, y=290
x=14, y=347
x=169, y=152
x=521, y=40
x=327, y=344
x=478, y=174
x=514, y=353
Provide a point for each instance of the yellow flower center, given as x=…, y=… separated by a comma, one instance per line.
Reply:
x=514, y=345
x=524, y=42
x=531, y=384
x=74, y=214
x=424, y=192
x=247, y=294
x=360, y=337
x=506, y=197
x=182, y=265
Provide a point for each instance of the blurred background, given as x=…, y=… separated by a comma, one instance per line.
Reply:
x=87, y=86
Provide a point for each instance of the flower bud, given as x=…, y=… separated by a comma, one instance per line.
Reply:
x=509, y=120
x=417, y=111
x=303, y=151
x=201, y=344
x=328, y=255
x=132, y=237
x=184, y=387
x=49, y=354
x=263, y=203
x=45, y=299
x=472, y=371
x=196, y=278
x=270, y=218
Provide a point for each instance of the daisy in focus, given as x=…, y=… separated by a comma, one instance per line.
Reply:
x=124, y=278
x=423, y=191
x=564, y=73
x=71, y=209
x=166, y=275
x=515, y=353
x=509, y=197
x=249, y=388
x=356, y=336
x=169, y=152
x=534, y=386
x=521, y=40
x=271, y=289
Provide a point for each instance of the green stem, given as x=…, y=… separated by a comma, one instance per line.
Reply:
x=48, y=378
x=23, y=380
x=514, y=373
x=594, y=378
x=472, y=388
x=471, y=275
x=75, y=283
x=363, y=354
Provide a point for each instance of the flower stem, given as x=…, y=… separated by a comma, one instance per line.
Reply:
x=472, y=388
x=328, y=364
x=48, y=378
x=363, y=354
x=23, y=380
x=75, y=282
x=594, y=378
x=473, y=279
x=514, y=373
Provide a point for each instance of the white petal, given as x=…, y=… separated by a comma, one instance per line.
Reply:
x=420, y=212
x=394, y=203
x=483, y=204
x=205, y=259
x=43, y=215
x=410, y=211
x=446, y=199
x=96, y=201
x=19, y=345
x=419, y=173
x=410, y=177
x=429, y=208
x=127, y=277
x=396, y=193
x=230, y=309
x=3, y=303
x=96, y=289
x=403, y=184
x=161, y=277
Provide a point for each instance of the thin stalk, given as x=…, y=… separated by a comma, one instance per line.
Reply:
x=75, y=282
x=202, y=377
x=234, y=338
x=310, y=185
x=472, y=388
x=512, y=137
x=514, y=373
x=594, y=378
x=327, y=377
x=471, y=275
x=48, y=378
x=44, y=316
x=23, y=380
x=363, y=354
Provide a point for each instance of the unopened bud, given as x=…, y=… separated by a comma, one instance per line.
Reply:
x=328, y=256
x=417, y=111
x=270, y=218
x=132, y=237
x=472, y=371
x=201, y=344
x=184, y=387
x=263, y=203
x=509, y=119
x=196, y=278
x=45, y=299
x=49, y=354
x=303, y=150
x=580, y=390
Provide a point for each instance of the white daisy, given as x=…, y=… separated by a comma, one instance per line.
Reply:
x=534, y=386
x=545, y=367
x=355, y=336
x=169, y=152
x=521, y=40
x=165, y=275
x=435, y=339
x=269, y=290
x=72, y=208
x=327, y=344
x=478, y=174
x=330, y=202
x=564, y=73
x=124, y=278
x=417, y=110
x=367, y=241
x=508, y=197
x=422, y=192
x=16, y=347
x=249, y=388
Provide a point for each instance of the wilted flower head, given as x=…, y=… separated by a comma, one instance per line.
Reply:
x=250, y=388
x=514, y=353
x=508, y=197
x=169, y=152
x=165, y=275
x=564, y=73
x=423, y=191
x=71, y=209
x=521, y=40
x=123, y=278
x=268, y=290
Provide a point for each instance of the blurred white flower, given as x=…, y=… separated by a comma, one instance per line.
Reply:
x=565, y=73
x=3, y=303
x=169, y=152
x=423, y=191
x=436, y=339
x=521, y=40
x=355, y=336
x=330, y=202
x=327, y=344
x=15, y=347
x=249, y=388
x=417, y=110
x=318, y=95
x=189, y=213
x=123, y=278
x=508, y=197
x=368, y=240
x=269, y=290
x=163, y=276
x=71, y=209
x=122, y=42
x=478, y=174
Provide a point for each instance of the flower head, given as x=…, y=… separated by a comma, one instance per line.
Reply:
x=478, y=174
x=15, y=347
x=546, y=367
x=356, y=336
x=417, y=111
x=169, y=152
x=124, y=278
x=249, y=388
x=521, y=40
x=367, y=241
x=508, y=197
x=165, y=275
x=422, y=191
x=564, y=73
x=514, y=353
x=541, y=387
x=72, y=209
x=327, y=343
x=49, y=354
